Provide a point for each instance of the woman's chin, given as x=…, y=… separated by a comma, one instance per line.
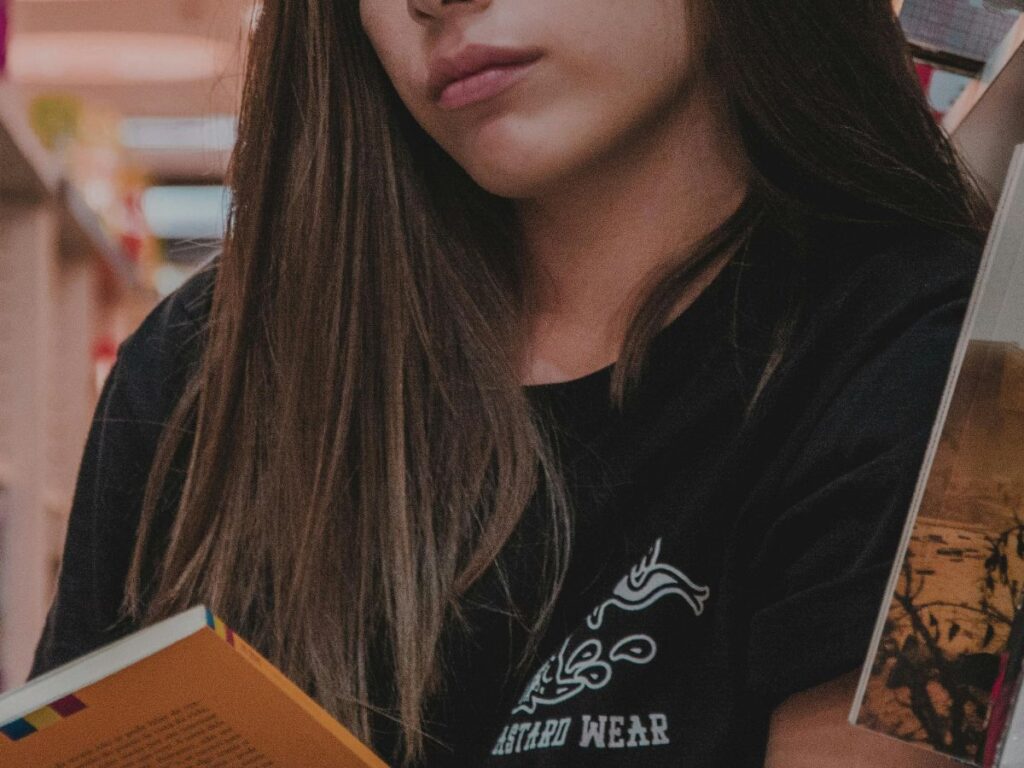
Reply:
x=512, y=185
x=516, y=176
x=526, y=159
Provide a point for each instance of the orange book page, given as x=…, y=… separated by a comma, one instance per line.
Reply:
x=199, y=703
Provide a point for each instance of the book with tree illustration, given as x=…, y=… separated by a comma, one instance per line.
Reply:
x=186, y=692
x=943, y=633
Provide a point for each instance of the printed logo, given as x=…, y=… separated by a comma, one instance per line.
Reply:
x=585, y=665
x=647, y=582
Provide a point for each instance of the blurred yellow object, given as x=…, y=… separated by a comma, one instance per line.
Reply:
x=55, y=120
x=87, y=140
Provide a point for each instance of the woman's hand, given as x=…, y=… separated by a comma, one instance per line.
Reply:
x=810, y=730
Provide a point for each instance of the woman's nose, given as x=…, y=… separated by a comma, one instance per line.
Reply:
x=419, y=9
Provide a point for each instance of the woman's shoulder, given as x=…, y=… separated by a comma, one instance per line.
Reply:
x=870, y=352
x=879, y=272
x=156, y=359
x=175, y=317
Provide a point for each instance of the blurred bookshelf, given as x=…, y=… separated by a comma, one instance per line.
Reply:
x=64, y=280
x=970, y=60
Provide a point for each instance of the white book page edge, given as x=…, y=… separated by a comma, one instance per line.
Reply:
x=96, y=665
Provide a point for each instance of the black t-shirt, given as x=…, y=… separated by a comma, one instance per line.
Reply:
x=722, y=560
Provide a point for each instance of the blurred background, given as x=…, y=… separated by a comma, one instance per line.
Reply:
x=117, y=118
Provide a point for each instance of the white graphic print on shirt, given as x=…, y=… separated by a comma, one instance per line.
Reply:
x=581, y=665
x=647, y=582
x=576, y=668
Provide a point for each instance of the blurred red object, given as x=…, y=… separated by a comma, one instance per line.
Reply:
x=924, y=74
x=134, y=228
x=104, y=348
x=998, y=711
x=104, y=354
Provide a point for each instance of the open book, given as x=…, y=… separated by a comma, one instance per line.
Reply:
x=943, y=638
x=185, y=692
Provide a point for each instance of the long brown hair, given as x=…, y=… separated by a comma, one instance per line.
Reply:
x=357, y=445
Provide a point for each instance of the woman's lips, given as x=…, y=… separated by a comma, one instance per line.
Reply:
x=482, y=85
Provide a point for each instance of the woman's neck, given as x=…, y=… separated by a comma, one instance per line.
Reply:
x=592, y=242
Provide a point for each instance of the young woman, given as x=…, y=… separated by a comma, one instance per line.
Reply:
x=560, y=391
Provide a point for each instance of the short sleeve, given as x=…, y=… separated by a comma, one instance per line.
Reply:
x=145, y=381
x=822, y=565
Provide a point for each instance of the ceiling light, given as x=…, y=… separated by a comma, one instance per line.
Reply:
x=97, y=58
x=186, y=211
x=209, y=133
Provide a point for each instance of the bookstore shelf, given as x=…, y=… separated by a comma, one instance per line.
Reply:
x=63, y=281
x=29, y=174
x=81, y=232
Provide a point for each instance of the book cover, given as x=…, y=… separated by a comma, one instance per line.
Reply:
x=186, y=692
x=957, y=580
